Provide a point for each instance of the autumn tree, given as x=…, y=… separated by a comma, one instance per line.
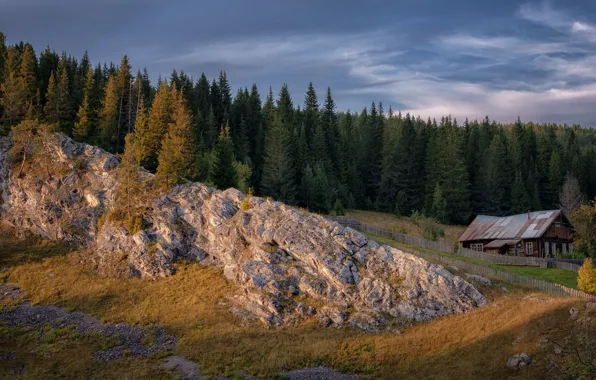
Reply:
x=176, y=160
x=571, y=197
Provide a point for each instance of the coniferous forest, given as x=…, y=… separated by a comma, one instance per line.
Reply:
x=298, y=149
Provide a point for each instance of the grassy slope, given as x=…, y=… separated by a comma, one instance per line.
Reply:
x=558, y=276
x=402, y=224
x=193, y=305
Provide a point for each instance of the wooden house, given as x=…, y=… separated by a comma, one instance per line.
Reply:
x=537, y=234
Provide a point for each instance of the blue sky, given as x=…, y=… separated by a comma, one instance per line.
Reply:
x=429, y=57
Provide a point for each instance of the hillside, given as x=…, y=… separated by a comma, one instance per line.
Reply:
x=405, y=225
x=192, y=306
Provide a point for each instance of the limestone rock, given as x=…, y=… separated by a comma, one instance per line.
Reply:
x=519, y=361
x=278, y=256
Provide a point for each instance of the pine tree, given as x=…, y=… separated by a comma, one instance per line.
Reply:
x=439, y=205
x=224, y=173
x=178, y=153
x=124, y=91
x=108, y=117
x=64, y=109
x=556, y=176
x=278, y=171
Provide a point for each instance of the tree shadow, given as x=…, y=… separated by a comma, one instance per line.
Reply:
x=15, y=250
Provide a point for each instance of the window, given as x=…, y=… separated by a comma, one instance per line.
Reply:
x=530, y=249
x=477, y=247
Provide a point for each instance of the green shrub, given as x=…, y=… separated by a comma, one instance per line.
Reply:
x=338, y=208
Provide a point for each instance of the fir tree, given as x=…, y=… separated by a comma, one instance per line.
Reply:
x=84, y=127
x=51, y=108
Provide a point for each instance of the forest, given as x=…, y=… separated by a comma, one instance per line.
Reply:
x=300, y=150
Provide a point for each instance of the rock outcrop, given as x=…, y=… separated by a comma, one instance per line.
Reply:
x=287, y=263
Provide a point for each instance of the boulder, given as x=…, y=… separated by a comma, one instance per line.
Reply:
x=278, y=256
x=482, y=280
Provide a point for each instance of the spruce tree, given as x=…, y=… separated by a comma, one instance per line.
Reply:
x=178, y=153
x=132, y=186
x=224, y=173
x=495, y=179
x=50, y=110
x=320, y=193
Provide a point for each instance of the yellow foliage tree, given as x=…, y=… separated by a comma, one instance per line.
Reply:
x=586, y=279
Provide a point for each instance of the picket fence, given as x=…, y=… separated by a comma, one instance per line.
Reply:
x=511, y=278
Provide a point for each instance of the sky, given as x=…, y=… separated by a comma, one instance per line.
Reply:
x=465, y=58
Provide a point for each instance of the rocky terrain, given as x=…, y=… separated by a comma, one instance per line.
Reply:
x=287, y=264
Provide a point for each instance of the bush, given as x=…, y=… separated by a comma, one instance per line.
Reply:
x=432, y=231
x=586, y=278
x=338, y=207
x=135, y=224
x=245, y=205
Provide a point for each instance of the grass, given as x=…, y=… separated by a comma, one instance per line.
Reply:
x=194, y=305
x=403, y=224
x=558, y=276
x=48, y=354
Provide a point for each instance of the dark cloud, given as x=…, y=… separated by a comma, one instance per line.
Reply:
x=468, y=58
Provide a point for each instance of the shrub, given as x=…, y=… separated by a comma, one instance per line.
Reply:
x=135, y=224
x=432, y=231
x=586, y=278
x=338, y=207
x=246, y=201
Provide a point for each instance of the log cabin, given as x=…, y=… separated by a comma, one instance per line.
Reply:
x=535, y=234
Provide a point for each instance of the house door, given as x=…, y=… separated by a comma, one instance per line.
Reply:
x=529, y=249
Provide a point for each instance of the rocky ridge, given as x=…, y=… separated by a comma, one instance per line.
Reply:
x=287, y=263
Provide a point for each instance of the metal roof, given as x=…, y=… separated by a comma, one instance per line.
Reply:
x=500, y=243
x=523, y=226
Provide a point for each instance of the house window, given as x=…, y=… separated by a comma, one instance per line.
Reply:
x=477, y=247
x=530, y=249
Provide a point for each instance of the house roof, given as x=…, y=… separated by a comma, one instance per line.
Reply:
x=500, y=243
x=523, y=226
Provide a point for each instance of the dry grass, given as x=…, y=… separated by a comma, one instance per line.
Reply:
x=193, y=305
x=403, y=224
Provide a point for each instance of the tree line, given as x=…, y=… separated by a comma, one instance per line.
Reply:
x=302, y=152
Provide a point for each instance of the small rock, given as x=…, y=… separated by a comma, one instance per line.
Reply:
x=573, y=313
x=518, y=340
x=544, y=341
x=591, y=305
x=558, y=350
x=518, y=361
x=504, y=289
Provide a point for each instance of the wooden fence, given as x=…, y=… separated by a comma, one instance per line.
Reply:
x=511, y=278
x=447, y=248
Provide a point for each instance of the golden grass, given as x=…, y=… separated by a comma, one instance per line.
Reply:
x=402, y=224
x=193, y=305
